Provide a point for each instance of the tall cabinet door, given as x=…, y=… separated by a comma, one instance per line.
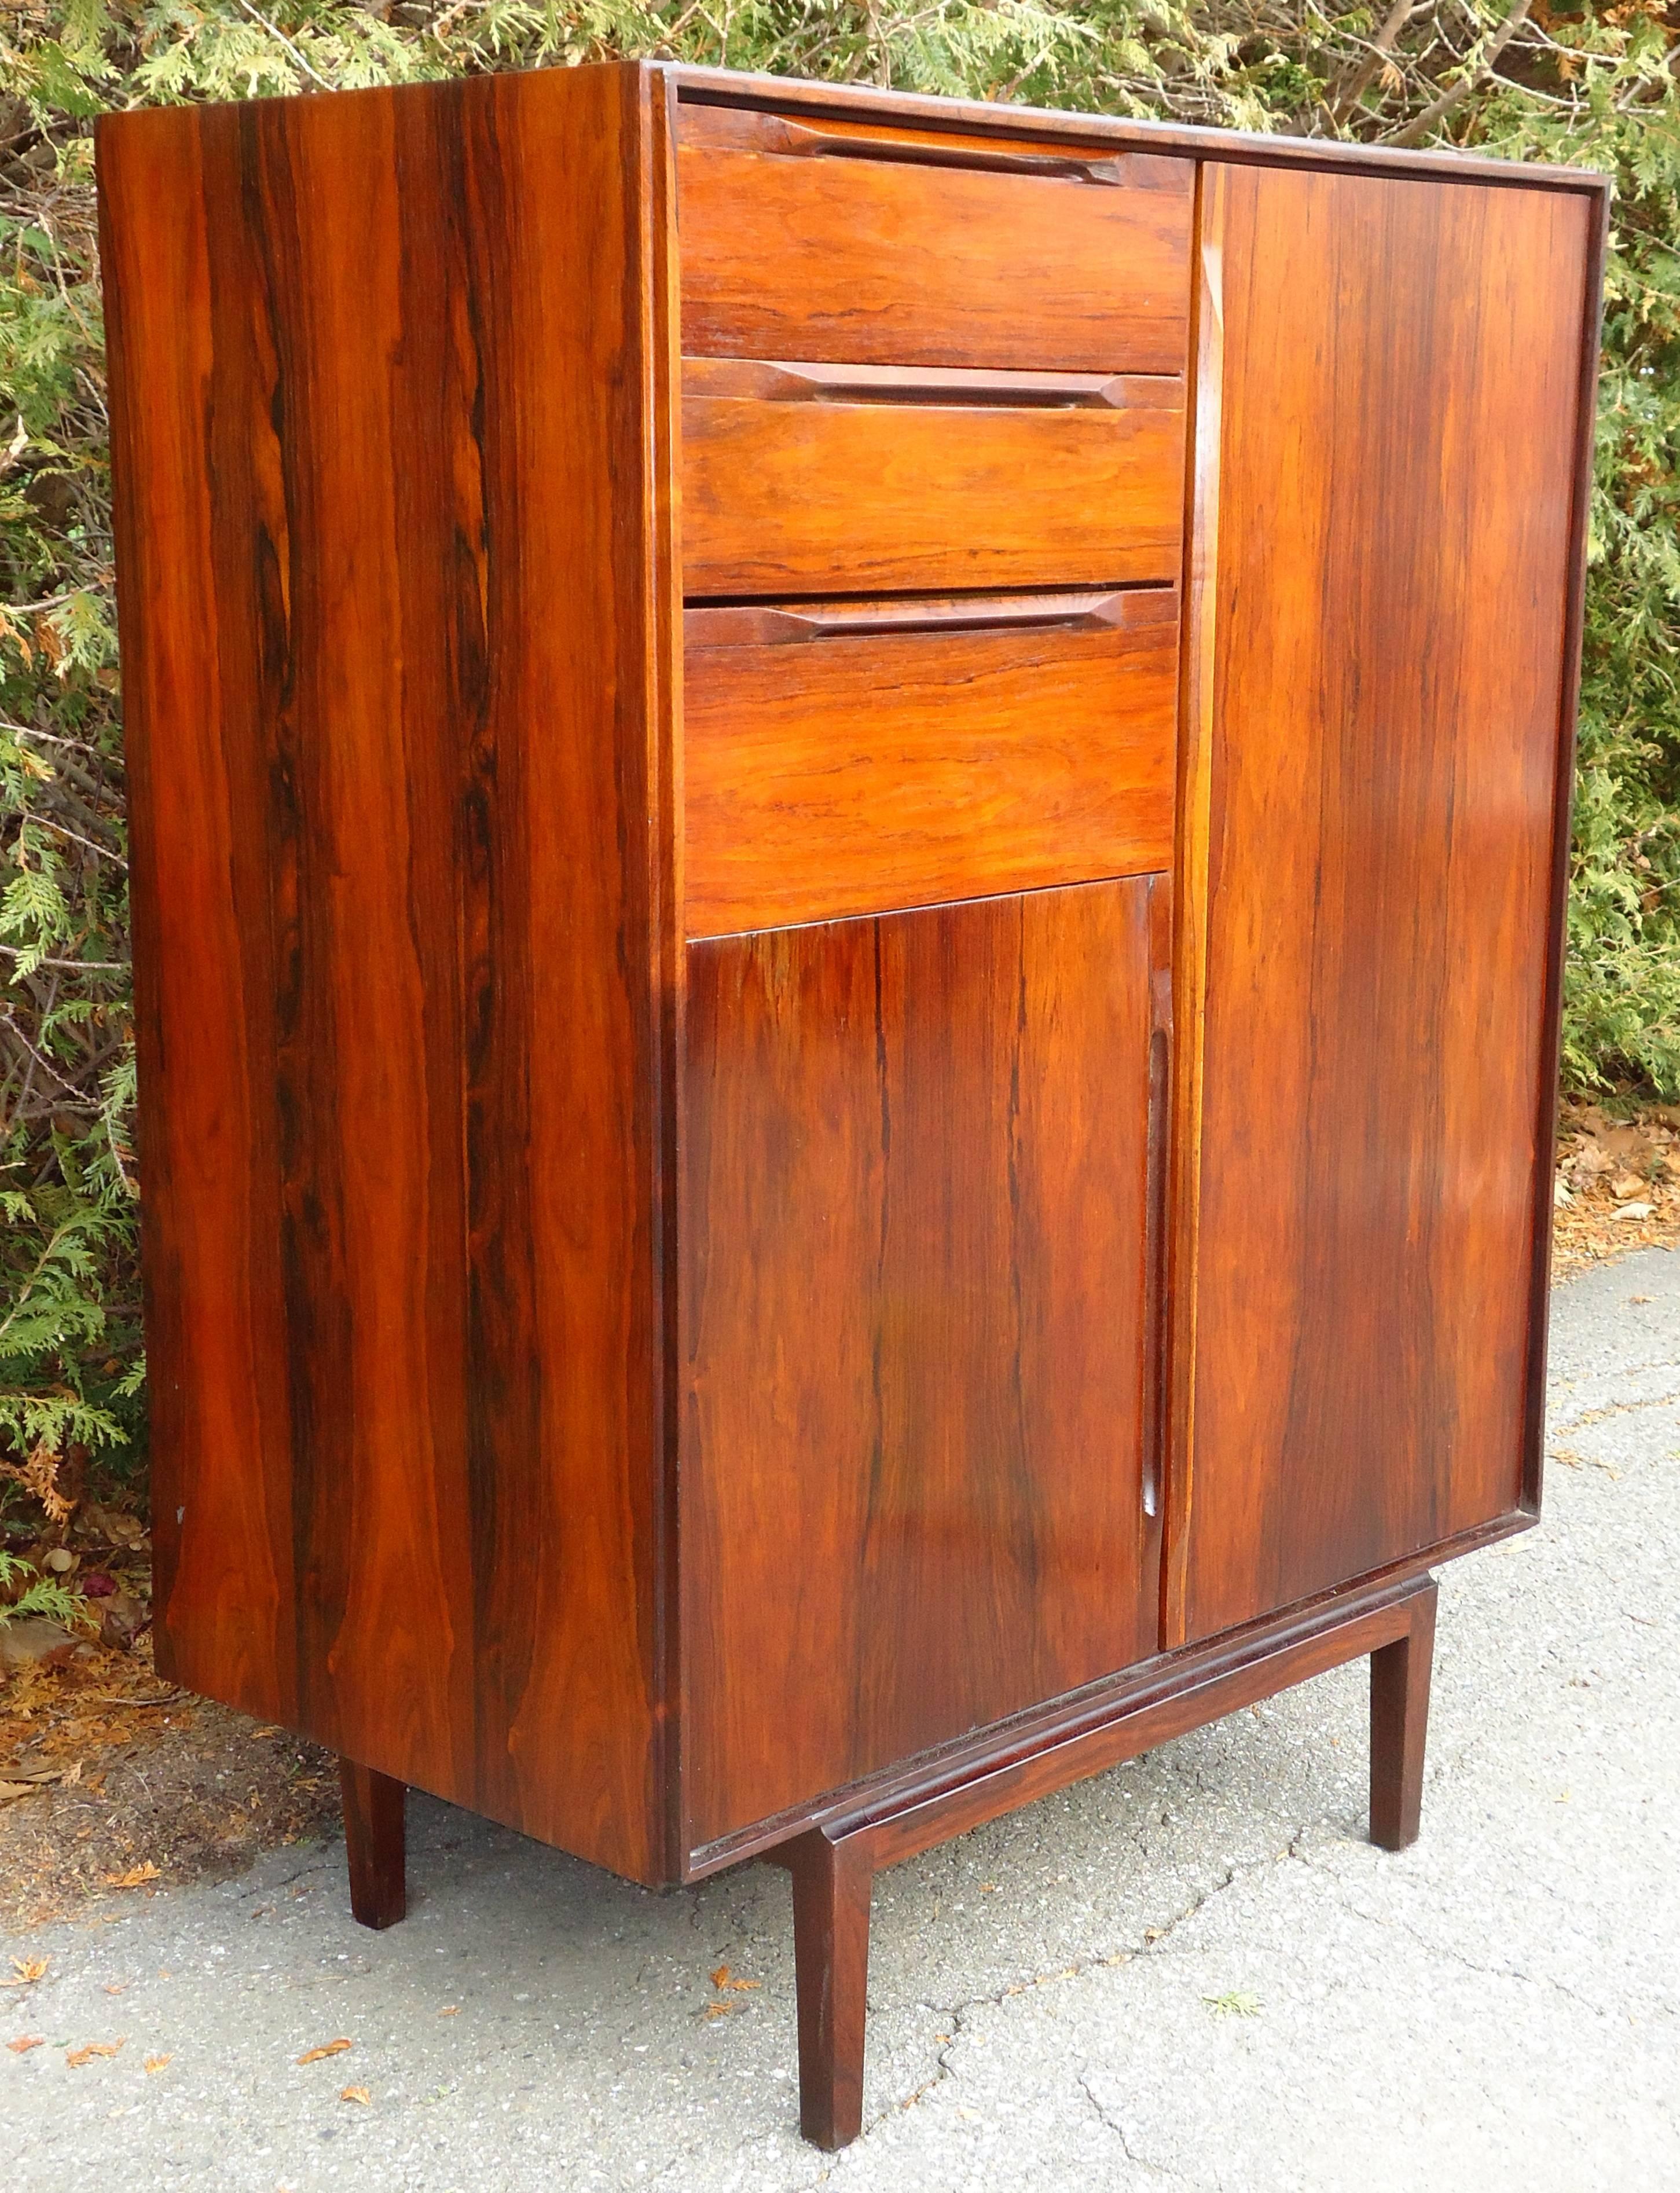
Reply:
x=1378, y=738
x=916, y=1412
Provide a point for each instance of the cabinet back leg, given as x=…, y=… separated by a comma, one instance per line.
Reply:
x=374, y=1843
x=1400, y=1675
x=832, y=1882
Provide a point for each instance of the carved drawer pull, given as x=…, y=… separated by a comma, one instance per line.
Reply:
x=768, y=625
x=796, y=380
x=778, y=137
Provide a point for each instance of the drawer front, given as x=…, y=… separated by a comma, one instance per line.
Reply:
x=812, y=240
x=862, y=759
x=796, y=482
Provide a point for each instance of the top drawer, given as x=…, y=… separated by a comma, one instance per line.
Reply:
x=858, y=245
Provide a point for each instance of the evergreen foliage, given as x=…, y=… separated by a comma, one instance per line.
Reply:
x=1595, y=84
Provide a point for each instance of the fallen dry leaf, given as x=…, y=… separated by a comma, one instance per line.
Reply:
x=355, y=2094
x=24, y=2042
x=158, y=2063
x=328, y=2048
x=78, y=2057
x=137, y=1876
x=1625, y=1184
x=27, y=1969
x=1631, y=1211
x=116, y=1987
x=450, y=2009
x=722, y=1978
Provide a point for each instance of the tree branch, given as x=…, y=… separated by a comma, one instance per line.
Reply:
x=1421, y=124
x=1346, y=95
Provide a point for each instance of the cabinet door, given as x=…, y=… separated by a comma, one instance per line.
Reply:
x=916, y=1327
x=1384, y=744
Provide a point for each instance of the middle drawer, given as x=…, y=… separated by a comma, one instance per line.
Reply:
x=860, y=757
x=832, y=479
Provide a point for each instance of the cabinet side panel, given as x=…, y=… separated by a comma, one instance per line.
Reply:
x=917, y=1165
x=1401, y=368
x=387, y=557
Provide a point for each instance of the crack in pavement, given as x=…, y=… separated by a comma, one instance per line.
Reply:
x=1450, y=1955
x=322, y=1864
x=1116, y=2126
x=958, y=2015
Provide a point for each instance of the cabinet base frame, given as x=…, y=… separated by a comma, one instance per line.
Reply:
x=834, y=1857
x=834, y=1862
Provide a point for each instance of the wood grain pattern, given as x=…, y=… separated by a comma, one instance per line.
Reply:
x=1402, y=374
x=864, y=768
x=388, y=600
x=832, y=496
x=915, y=1318
x=790, y=251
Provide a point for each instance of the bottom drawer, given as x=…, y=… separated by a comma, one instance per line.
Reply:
x=856, y=757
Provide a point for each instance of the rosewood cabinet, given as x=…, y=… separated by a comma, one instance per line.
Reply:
x=848, y=820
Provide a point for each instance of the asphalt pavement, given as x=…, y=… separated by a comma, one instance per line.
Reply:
x=1193, y=1971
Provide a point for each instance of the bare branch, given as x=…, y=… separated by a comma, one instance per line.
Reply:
x=73, y=966
x=1344, y=96
x=1421, y=124
x=46, y=822
x=275, y=32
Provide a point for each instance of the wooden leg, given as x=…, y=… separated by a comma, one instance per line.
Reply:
x=1399, y=1721
x=831, y=1958
x=374, y=1842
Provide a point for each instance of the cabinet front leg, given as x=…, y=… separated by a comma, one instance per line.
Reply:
x=1400, y=1675
x=832, y=1880
x=374, y=1843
